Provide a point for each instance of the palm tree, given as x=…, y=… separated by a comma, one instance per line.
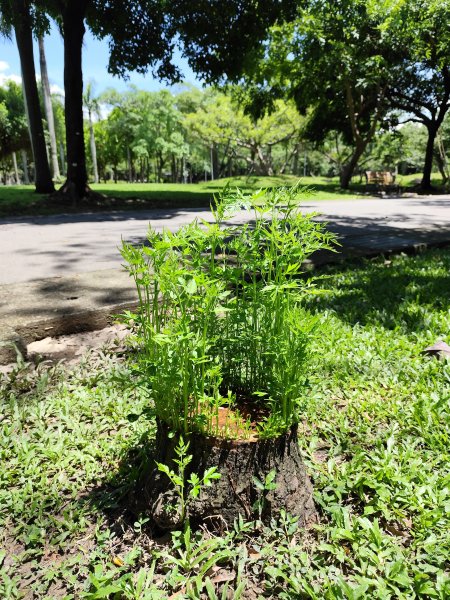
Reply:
x=16, y=15
x=48, y=108
x=92, y=106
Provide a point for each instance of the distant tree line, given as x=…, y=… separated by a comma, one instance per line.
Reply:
x=193, y=135
x=315, y=86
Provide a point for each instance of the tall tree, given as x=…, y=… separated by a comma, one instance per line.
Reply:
x=333, y=62
x=18, y=15
x=92, y=106
x=220, y=122
x=419, y=30
x=15, y=135
x=48, y=107
x=142, y=34
x=135, y=30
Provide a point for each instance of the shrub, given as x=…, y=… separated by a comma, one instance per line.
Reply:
x=223, y=339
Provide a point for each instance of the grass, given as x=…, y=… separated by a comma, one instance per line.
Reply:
x=22, y=200
x=375, y=435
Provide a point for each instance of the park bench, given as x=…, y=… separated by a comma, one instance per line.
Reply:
x=381, y=181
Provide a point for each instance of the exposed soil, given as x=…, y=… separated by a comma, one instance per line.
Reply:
x=240, y=422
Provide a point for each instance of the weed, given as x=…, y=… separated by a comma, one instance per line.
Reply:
x=219, y=312
x=186, y=493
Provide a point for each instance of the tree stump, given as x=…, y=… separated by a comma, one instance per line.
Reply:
x=235, y=493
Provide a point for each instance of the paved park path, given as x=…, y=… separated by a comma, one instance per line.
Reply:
x=33, y=248
x=63, y=273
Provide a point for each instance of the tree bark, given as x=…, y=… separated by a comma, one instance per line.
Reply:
x=130, y=167
x=425, y=184
x=48, y=108
x=62, y=158
x=16, y=168
x=24, y=38
x=349, y=167
x=73, y=33
x=235, y=493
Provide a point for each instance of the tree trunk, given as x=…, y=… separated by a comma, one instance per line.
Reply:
x=24, y=38
x=93, y=148
x=425, y=184
x=26, y=178
x=62, y=158
x=441, y=158
x=130, y=167
x=235, y=493
x=48, y=108
x=349, y=168
x=16, y=168
x=215, y=161
x=73, y=33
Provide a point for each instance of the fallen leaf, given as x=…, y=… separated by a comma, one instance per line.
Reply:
x=118, y=561
x=223, y=577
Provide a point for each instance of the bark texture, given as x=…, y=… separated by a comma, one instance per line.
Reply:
x=235, y=493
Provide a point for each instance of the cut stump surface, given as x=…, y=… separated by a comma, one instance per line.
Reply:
x=235, y=493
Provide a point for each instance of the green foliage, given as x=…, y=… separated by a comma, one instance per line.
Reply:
x=219, y=317
x=332, y=61
x=13, y=124
x=263, y=486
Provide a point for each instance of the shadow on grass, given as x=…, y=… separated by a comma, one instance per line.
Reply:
x=402, y=292
x=115, y=497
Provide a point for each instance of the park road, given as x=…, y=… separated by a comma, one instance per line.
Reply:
x=33, y=248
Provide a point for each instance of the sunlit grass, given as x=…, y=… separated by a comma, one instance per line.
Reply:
x=22, y=199
x=19, y=200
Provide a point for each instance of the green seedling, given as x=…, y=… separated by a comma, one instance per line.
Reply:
x=186, y=490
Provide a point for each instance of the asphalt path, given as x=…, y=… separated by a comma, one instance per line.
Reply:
x=33, y=248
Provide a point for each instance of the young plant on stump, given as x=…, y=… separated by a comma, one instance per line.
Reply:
x=223, y=349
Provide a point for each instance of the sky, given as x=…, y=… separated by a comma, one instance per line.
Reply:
x=95, y=62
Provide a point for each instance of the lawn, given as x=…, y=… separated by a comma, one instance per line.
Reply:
x=18, y=200
x=21, y=200
x=375, y=434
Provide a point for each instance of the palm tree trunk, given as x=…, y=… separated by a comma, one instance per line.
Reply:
x=93, y=148
x=48, y=108
x=24, y=38
x=26, y=178
x=16, y=168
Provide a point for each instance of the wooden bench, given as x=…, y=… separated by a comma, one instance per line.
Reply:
x=381, y=181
